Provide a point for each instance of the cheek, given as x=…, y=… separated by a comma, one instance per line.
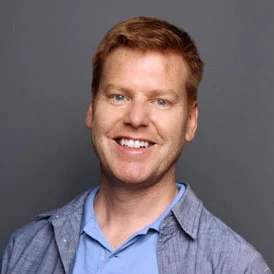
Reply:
x=172, y=126
x=106, y=113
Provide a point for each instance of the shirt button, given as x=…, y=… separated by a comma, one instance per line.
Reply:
x=64, y=240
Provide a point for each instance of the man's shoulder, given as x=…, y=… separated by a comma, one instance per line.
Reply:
x=37, y=237
x=225, y=247
x=42, y=223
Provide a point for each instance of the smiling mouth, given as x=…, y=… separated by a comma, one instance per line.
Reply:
x=130, y=143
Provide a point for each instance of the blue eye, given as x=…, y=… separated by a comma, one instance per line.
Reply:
x=161, y=102
x=119, y=97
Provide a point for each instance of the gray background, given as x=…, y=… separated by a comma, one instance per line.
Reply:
x=45, y=72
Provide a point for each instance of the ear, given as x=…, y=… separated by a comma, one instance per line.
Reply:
x=192, y=121
x=89, y=116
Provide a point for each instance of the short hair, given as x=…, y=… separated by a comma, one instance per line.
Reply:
x=149, y=33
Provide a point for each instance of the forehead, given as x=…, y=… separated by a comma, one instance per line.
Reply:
x=130, y=63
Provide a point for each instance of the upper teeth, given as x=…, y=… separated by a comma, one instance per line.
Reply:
x=133, y=143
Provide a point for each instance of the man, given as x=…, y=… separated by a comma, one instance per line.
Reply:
x=144, y=108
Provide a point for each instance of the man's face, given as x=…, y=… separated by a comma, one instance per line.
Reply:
x=139, y=117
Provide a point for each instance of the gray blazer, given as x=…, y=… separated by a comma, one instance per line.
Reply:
x=191, y=240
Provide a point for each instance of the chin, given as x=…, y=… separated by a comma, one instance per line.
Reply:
x=132, y=180
x=129, y=179
x=137, y=181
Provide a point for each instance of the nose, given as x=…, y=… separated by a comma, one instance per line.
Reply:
x=137, y=114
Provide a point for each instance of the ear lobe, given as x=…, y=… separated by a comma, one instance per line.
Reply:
x=192, y=122
x=89, y=116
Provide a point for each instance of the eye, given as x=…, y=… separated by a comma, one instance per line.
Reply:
x=161, y=102
x=119, y=97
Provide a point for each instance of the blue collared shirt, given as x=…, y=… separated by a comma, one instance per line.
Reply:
x=191, y=240
x=138, y=253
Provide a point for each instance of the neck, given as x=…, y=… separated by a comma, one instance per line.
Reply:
x=135, y=200
x=130, y=208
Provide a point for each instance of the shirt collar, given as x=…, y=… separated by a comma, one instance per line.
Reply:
x=89, y=218
x=188, y=212
x=156, y=224
x=88, y=213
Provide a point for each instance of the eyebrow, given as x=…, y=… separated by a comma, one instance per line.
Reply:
x=112, y=86
x=169, y=92
x=154, y=92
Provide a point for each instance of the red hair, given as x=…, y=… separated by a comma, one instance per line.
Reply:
x=149, y=33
